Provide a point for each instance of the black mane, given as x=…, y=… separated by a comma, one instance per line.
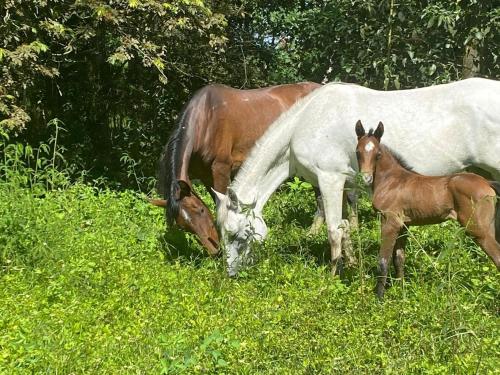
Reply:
x=398, y=158
x=170, y=164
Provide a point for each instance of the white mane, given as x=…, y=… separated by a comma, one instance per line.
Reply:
x=271, y=149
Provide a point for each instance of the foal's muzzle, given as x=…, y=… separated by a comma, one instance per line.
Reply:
x=367, y=178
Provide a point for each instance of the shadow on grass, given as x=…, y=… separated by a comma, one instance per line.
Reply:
x=179, y=246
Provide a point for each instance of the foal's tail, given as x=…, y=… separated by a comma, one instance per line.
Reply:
x=496, y=186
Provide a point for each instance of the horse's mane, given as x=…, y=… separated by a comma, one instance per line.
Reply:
x=401, y=161
x=274, y=140
x=171, y=159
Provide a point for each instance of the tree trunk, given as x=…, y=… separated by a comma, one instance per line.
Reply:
x=470, y=66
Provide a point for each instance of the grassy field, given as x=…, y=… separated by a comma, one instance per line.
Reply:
x=93, y=282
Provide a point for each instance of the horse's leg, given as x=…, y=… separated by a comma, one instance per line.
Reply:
x=352, y=200
x=485, y=237
x=347, y=247
x=399, y=253
x=319, y=216
x=479, y=221
x=390, y=230
x=492, y=248
x=331, y=186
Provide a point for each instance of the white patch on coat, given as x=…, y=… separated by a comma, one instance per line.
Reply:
x=369, y=146
x=185, y=215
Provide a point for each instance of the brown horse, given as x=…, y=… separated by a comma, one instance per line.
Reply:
x=406, y=198
x=215, y=133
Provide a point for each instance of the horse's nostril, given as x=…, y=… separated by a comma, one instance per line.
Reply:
x=214, y=243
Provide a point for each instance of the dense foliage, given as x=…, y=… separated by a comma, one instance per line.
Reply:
x=116, y=73
x=92, y=283
x=90, y=280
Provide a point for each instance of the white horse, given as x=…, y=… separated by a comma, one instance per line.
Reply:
x=439, y=130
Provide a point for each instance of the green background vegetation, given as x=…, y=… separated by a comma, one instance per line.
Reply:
x=93, y=282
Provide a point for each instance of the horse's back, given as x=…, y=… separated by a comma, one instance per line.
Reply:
x=244, y=115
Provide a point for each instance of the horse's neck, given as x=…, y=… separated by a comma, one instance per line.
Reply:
x=266, y=168
x=257, y=183
x=388, y=168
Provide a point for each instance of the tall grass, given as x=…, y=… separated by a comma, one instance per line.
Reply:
x=93, y=282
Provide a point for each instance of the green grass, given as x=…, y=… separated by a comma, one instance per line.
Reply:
x=92, y=282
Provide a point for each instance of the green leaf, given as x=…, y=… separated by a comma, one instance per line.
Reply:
x=39, y=46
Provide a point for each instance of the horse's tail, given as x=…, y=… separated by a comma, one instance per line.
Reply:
x=173, y=157
x=496, y=186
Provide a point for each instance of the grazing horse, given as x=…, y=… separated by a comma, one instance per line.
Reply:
x=406, y=198
x=216, y=131
x=452, y=126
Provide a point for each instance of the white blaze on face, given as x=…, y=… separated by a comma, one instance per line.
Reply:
x=369, y=146
x=185, y=215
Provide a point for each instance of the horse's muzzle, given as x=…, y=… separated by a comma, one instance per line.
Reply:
x=367, y=178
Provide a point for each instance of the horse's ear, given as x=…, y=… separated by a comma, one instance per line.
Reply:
x=184, y=189
x=219, y=197
x=379, y=132
x=360, y=131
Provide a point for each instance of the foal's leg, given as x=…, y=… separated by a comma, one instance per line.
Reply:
x=390, y=230
x=479, y=221
x=399, y=253
x=331, y=186
x=492, y=248
x=319, y=216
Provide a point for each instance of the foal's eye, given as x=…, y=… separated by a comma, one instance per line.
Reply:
x=358, y=154
x=379, y=154
x=202, y=210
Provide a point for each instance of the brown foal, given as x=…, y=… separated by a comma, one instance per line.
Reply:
x=405, y=198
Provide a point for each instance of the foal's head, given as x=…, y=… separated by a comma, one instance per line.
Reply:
x=368, y=150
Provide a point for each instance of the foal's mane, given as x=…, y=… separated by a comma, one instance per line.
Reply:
x=401, y=161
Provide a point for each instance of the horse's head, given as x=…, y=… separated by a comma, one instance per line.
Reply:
x=368, y=150
x=240, y=225
x=193, y=215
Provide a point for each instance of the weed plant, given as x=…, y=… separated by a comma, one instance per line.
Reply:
x=93, y=282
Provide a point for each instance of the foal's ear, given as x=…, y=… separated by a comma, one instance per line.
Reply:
x=360, y=131
x=379, y=132
x=184, y=189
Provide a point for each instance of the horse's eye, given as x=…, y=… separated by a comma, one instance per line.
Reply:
x=202, y=210
x=379, y=154
x=358, y=154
